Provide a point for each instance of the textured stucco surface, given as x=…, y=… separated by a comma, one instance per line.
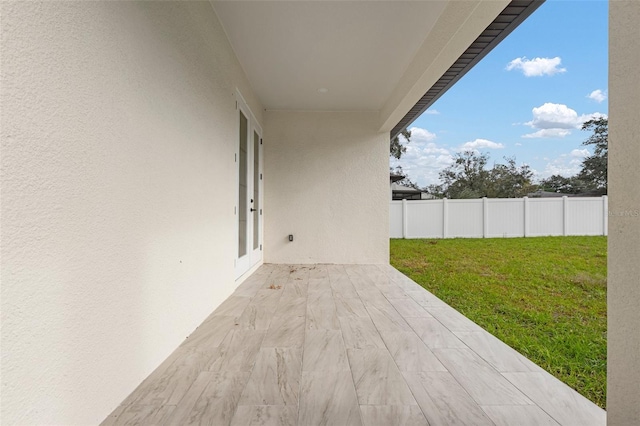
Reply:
x=623, y=294
x=118, y=137
x=327, y=183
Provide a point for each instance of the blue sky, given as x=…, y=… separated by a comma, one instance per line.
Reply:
x=527, y=98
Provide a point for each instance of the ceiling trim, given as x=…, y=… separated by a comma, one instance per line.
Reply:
x=511, y=16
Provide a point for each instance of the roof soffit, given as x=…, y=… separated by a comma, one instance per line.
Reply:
x=358, y=50
x=391, y=56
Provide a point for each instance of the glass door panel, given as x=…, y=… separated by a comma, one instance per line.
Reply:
x=243, y=183
x=256, y=191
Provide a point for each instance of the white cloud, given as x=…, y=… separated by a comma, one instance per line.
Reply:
x=597, y=95
x=553, y=116
x=586, y=117
x=560, y=166
x=481, y=143
x=419, y=135
x=566, y=164
x=580, y=153
x=556, y=121
x=537, y=66
x=547, y=133
x=518, y=144
x=424, y=158
x=432, y=112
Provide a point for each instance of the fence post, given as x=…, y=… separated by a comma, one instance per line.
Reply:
x=525, y=200
x=485, y=217
x=445, y=217
x=565, y=214
x=405, y=223
x=605, y=215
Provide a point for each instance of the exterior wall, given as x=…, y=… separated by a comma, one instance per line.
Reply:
x=118, y=139
x=623, y=378
x=326, y=182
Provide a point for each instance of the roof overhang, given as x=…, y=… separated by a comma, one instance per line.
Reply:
x=392, y=57
x=508, y=20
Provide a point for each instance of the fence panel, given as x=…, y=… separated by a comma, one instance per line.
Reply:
x=546, y=217
x=498, y=217
x=395, y=219
x=424, y=218
x=465, y=219
x=585, y=217
x=505, y=218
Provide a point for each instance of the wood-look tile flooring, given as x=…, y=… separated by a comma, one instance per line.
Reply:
x=346, y=345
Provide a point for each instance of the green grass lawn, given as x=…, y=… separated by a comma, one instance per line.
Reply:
x=545, y=296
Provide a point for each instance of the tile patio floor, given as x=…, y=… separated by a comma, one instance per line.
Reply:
x=347, y=345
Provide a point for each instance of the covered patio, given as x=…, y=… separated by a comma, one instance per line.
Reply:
x=347, y=345
x=164, y=159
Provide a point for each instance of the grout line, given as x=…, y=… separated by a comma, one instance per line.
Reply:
x=235, y=411
x=346, y=354
x=304, y=340
x=393, y=359
x=532, y=400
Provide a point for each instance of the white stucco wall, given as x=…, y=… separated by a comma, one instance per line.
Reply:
x=327, y=183
x=118, y=136
x=623, y=293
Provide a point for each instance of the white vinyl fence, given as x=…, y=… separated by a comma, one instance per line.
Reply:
x=498, y=217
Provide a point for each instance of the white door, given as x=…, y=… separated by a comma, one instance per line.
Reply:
x=249, y=190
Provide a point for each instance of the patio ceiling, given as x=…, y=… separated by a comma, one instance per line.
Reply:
x=362, y=55
x=356, y=50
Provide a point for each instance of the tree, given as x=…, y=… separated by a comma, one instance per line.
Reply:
x=396, y=148
x=594, y=167
x=593, y=175
x=509, y=180
x=406, y=180
x=435, y=190
x=468, y=178
x=563, y=185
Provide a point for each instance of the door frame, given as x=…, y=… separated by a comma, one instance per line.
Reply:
x=251, y=257
x=257, y=253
